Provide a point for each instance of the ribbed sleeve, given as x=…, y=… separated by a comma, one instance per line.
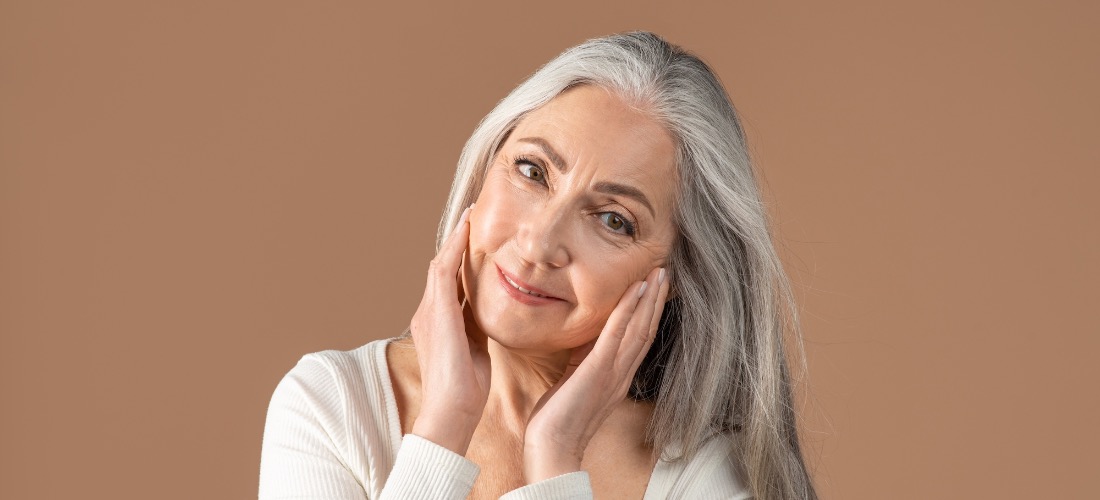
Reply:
x=427, y=470
x=572, y=486
x=301, y=443
x=333, y=432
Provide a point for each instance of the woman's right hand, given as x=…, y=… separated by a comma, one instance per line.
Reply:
x=454, y=369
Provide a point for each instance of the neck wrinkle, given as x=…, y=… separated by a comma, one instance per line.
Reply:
x=519, y=378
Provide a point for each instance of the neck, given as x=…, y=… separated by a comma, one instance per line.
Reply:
x=519, y=378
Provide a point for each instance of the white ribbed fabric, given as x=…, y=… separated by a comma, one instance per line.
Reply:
x=333, y=432
x=427, y=470
x=572, y=486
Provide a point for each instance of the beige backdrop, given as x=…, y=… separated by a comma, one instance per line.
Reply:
x=195, y=194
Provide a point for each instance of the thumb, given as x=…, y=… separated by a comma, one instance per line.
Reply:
x=577, y=355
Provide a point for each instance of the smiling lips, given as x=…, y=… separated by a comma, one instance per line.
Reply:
x=514, y=285
x=524, y=290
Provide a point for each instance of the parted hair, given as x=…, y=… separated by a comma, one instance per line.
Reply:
x=719, y=361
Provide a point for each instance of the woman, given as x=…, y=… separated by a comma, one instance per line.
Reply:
x=605, y=315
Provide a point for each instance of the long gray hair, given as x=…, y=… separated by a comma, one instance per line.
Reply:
x=718, y=363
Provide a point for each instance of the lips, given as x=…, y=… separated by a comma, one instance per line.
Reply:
x=524, y=287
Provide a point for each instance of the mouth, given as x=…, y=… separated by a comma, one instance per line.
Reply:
x=524, y=292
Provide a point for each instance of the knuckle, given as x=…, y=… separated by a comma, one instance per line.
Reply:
x=437, y=269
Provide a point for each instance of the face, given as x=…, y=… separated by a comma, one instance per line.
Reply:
x=576, y=206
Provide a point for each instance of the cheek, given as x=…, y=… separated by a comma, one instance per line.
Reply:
x=599, y=292
x=490, y=224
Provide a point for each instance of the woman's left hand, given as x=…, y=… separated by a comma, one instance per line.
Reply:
x=595, y=382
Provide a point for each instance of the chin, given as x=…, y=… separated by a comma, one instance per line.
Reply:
x=516, y=322
x=506, y=327
x=509, y=331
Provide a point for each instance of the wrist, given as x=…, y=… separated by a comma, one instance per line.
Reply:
x=545, y=460
x=452, y=433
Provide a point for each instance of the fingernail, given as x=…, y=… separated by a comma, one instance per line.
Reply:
x=661, y=277
x=465, y=214
x=641, y=290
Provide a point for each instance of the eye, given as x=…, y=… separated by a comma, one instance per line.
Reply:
x=530, y=169
x=617, y=223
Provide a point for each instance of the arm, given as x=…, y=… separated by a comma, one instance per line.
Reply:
x=571, y=486
x=300, y=456
x=304, y=445
x=454, y=366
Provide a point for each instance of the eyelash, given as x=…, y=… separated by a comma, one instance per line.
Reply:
x=628, y=224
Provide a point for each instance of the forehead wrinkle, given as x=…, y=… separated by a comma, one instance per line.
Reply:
x=558, y=128
x=548, y=150
x=626, y=173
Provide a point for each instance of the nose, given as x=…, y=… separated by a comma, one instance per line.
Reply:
x=542, y=235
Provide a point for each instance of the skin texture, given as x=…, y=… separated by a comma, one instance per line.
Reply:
x=554, y=237
x=532, y=391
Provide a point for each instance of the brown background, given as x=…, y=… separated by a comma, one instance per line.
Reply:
x=194, y=194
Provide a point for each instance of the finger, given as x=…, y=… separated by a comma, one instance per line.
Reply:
x=455, y=244
x=607, y=344
x=577, y=354
x=662, y=299
x=441, y=276
x=655, y=322
x=637, y=329
x=445, y=264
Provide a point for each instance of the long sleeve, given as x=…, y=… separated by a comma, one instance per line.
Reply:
x=426, y=470
x=308, y=452
x=572, y=486
x=300, y=457
x=333, y=432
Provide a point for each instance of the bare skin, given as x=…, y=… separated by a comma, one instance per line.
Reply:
x=576, y=209
x=617, y=460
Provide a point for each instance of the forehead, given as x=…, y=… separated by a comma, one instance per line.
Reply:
x=593, y=129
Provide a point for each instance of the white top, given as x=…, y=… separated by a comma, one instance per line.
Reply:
x=333, y=432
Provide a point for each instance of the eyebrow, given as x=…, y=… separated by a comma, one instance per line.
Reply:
x=601, y=187
x=624, y=190
x=555, y=158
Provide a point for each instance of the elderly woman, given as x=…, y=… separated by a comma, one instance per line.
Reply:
x=605, y=315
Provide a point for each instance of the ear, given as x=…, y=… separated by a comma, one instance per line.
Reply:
x=461, y=279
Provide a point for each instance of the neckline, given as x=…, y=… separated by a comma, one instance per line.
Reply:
x=389, y=398
x=657, y=475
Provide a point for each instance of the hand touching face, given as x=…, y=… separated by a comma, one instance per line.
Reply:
x=576, y=206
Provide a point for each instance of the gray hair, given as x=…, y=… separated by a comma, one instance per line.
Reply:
x=718, y=363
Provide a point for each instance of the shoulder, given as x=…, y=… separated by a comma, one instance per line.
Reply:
x=714, y=471
x=334, y=371
x=329, y=421
x=331, y=389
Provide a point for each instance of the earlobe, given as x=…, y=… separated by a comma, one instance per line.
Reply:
x=462, y=281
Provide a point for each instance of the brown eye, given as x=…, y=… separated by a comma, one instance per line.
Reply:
x=617, y=223
x=531, y=171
